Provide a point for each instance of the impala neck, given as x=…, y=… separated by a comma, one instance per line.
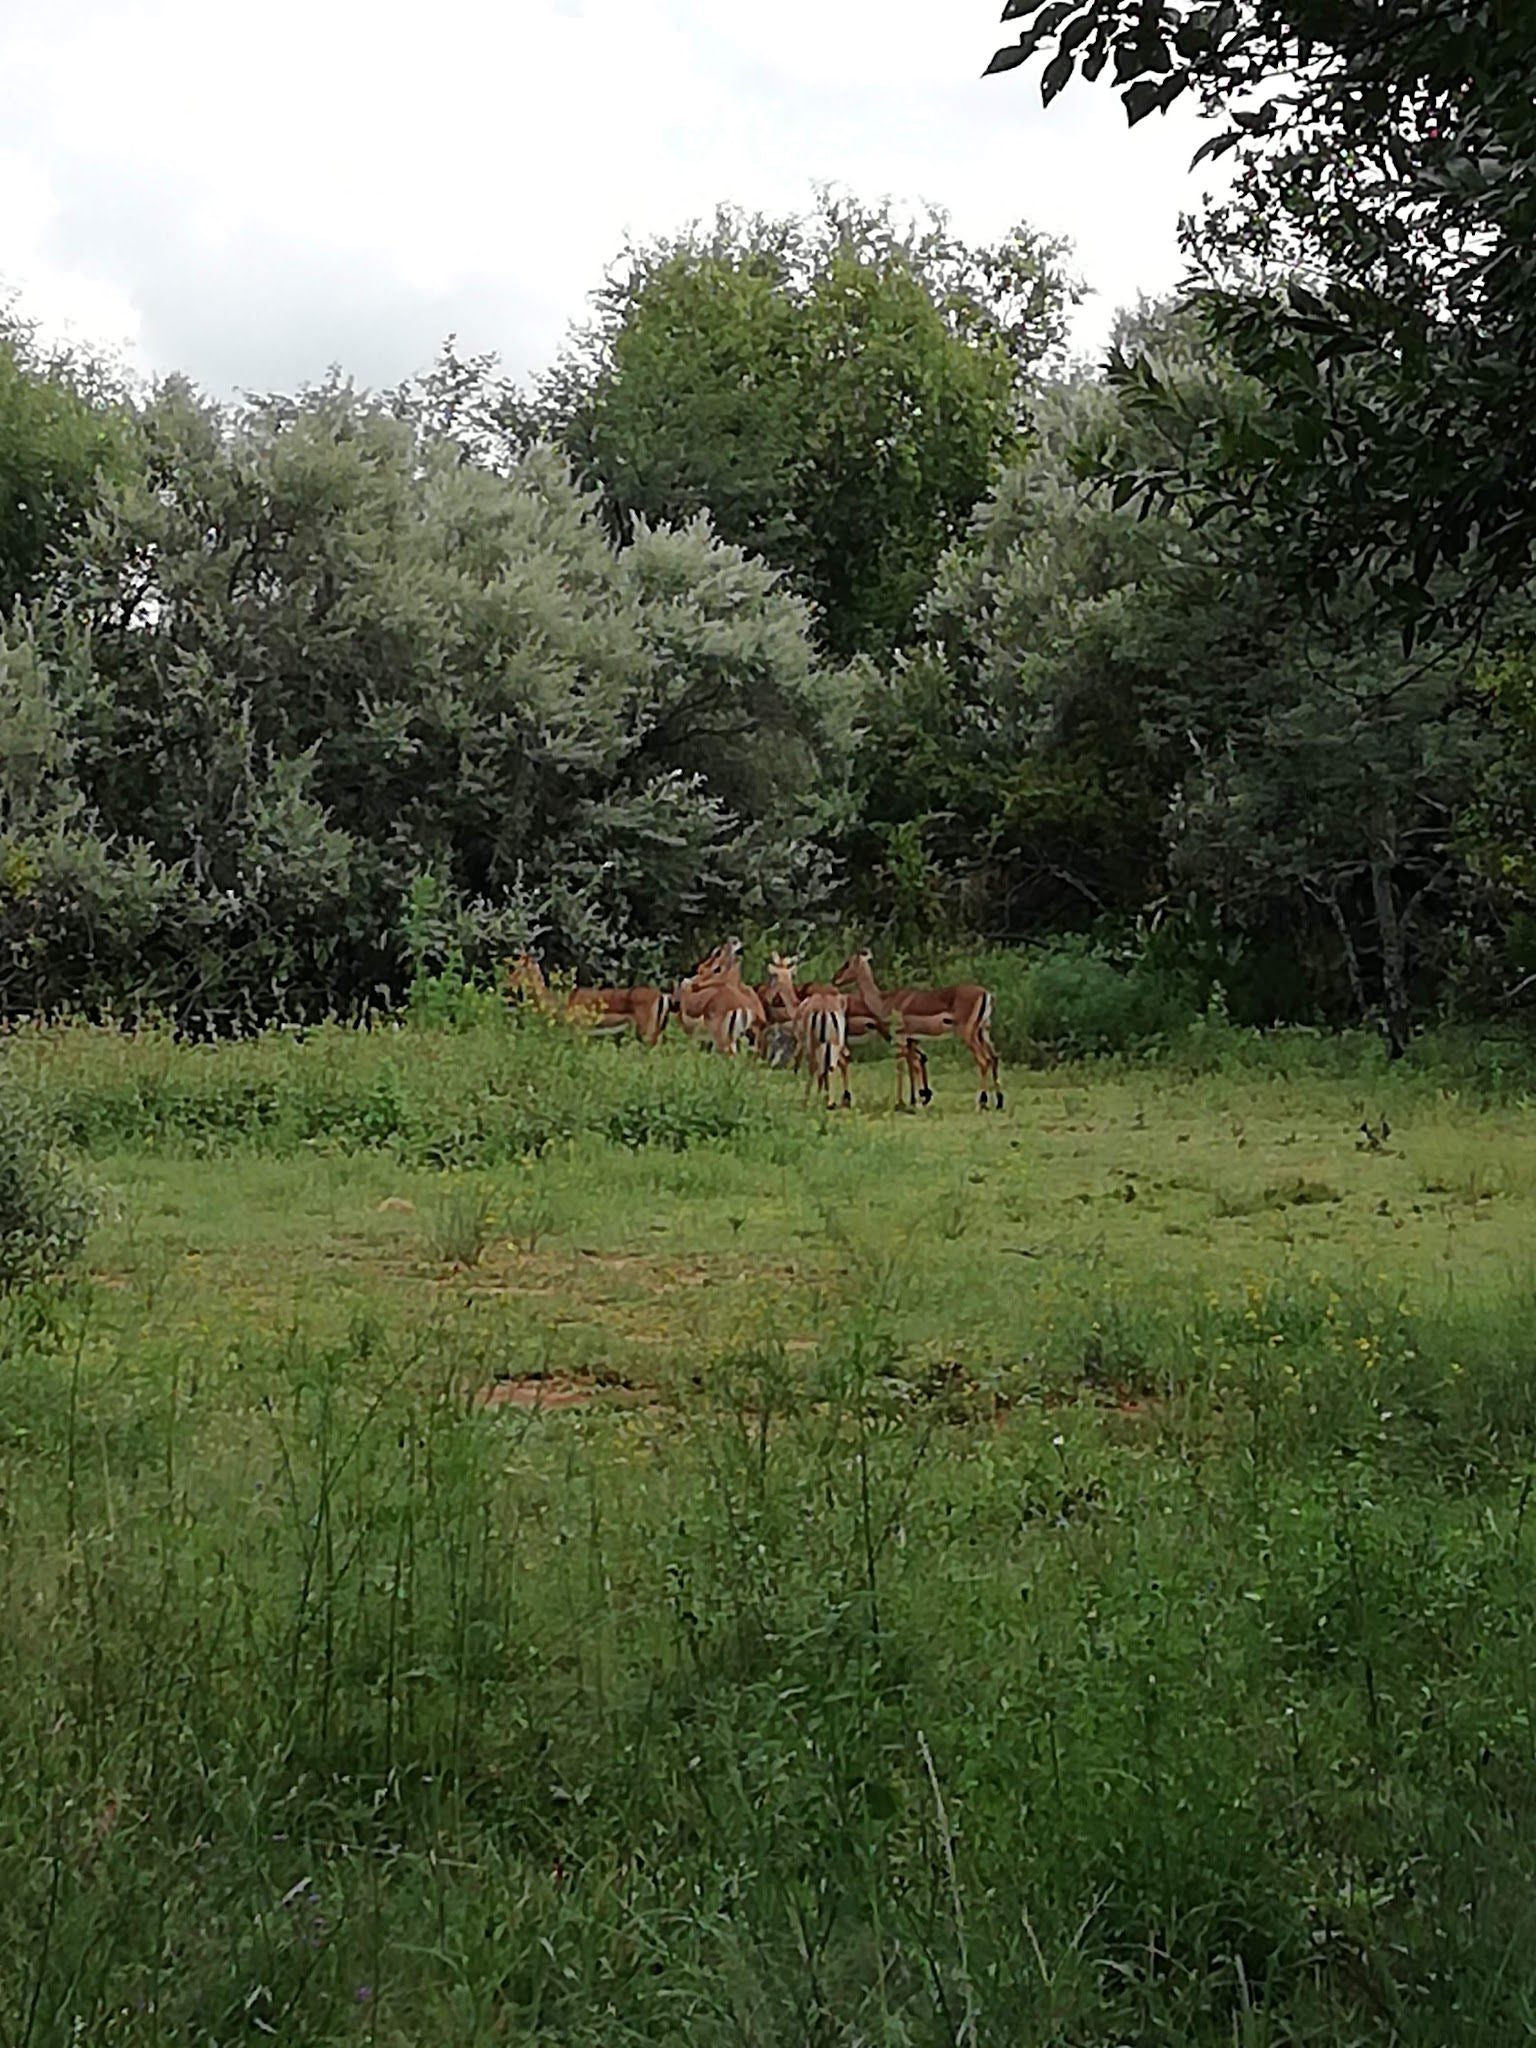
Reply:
x=783, y=985
x=864, y=975
x=716, y=977
x=529, y=981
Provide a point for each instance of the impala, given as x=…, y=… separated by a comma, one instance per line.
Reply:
x=606, y=1011
x=819, y=1020
x=963, y=1011
x=714, y=999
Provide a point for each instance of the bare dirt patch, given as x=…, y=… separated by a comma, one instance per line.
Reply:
x=551, y=1391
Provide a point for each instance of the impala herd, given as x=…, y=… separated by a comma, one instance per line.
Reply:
x=821, y=1020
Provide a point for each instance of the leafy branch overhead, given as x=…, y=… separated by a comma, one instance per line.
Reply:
x=1373, y=266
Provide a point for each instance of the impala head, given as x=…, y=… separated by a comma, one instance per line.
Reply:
x=719, y=963
x=855, y=965
x=525, y=976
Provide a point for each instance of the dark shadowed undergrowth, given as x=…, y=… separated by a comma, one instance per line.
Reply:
x=1154, y=1666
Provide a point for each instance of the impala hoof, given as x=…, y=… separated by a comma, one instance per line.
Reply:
x=981, y=1100
x=925, y=1095
x=999, y=1098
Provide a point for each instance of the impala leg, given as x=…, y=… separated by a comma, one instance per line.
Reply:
x=986, y=1066
x=922, y=1071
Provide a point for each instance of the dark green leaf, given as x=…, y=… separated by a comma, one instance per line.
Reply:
x=1055, y=76
x=1008, y=59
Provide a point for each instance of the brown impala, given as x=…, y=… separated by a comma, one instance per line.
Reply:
x=819, y=1021
x=714, y=999
x=963, y=1012
x=862, y=1024
x=603, y=1010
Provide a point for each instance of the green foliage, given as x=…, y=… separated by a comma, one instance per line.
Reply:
x=1496, y=829
x=1073, y=999
x=63, y=434
x=312, y=663
x=480, y=1093
x=1023, y=740
x=833, y=391
x=1074, y=1004
x=46, y=1208
x=461, y=1225
x=1125, y=721
x=1373, y=269
x=343, y=701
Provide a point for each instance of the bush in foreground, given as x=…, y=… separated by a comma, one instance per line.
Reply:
x=46, y=1209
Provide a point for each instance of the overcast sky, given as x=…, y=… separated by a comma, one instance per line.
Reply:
x=250, y=194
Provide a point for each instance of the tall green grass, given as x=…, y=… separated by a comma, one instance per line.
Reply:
x=816, y=1712
x=1154, y=1667
x=502, y=1088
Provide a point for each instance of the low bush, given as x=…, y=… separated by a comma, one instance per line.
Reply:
x=46, y=1208
x=1069, y=1002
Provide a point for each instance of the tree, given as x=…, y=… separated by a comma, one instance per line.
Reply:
x=834, y=392
x=1018, y=750
x=316, y=673
x=1375, y=270
x=61, y=431
x=1009, y=750
x=1120, y=713
x=1333, y=791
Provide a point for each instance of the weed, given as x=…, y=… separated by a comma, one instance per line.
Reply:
x=46, y=1206
x=461, y=1225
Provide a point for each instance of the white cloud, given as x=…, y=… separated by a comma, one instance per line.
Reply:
x=71, y=305
x=252, y=195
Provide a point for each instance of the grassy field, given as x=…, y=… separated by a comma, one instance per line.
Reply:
x=514, y=1541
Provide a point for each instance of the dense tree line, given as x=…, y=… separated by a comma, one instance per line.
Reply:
x=811, y=584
